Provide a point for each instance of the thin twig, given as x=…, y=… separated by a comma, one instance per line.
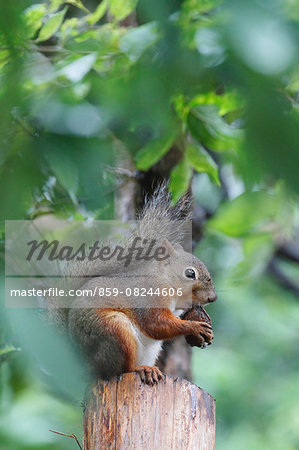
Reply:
x=68, y=435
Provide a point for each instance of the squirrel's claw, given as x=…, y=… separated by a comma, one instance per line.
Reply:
x=205, y=325
x=149, y=375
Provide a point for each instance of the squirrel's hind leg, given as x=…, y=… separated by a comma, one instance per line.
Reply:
x=105, y=339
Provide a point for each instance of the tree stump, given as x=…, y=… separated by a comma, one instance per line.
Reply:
x=126, y=414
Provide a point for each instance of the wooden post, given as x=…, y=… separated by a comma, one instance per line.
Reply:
x=127, y=414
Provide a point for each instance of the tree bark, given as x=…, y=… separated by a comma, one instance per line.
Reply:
x=126, y=414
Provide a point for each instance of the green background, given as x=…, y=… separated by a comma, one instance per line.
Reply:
x=82, y=83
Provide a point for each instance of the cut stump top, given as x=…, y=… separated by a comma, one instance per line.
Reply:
x=124, y=413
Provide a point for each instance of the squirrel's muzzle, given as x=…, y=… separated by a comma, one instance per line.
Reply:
x=203, y=296
x=212, y=297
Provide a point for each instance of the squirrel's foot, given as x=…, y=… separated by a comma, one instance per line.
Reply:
x=149, y=374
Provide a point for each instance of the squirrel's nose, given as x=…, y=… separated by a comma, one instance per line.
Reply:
x=212, y=297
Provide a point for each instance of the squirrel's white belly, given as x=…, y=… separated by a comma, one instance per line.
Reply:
x=148, y=349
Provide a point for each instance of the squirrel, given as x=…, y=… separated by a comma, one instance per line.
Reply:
x=125, y=334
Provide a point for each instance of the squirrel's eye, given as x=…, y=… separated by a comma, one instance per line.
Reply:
x=190, y=273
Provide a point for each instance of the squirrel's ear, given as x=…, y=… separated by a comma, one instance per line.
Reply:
x=166, y=244
x=178, y=247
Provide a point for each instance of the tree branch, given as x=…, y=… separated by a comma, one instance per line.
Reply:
x=281, y=278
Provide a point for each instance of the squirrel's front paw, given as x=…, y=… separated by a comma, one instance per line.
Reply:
x=204, y=334
x=149, y=374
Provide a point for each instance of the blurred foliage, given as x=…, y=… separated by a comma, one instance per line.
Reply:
x=85, y=85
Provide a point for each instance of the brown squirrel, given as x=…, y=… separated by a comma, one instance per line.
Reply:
x=125, y=334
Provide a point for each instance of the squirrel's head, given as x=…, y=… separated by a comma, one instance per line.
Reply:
x=189, y=273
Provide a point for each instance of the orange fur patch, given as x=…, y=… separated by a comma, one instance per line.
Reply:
x=117, y=323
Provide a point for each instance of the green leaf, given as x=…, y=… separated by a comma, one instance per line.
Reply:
x=98, y=13
x=120, y=9
x=213, y=121
x=180, y=178
x=52, y=25
x=202, y=161
x=258, y=250
x=293, y=85
x=55, y=4
x=227, y=102
x=69, y=28
x=245, y=213
x=208, y=127
x=78, y=4
x=4, y=58
x=153, y=152
x=33, y=17
x=137, y=40
x=6, y=351
x=76, y=70
x=65, y=171
x=253, y=243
